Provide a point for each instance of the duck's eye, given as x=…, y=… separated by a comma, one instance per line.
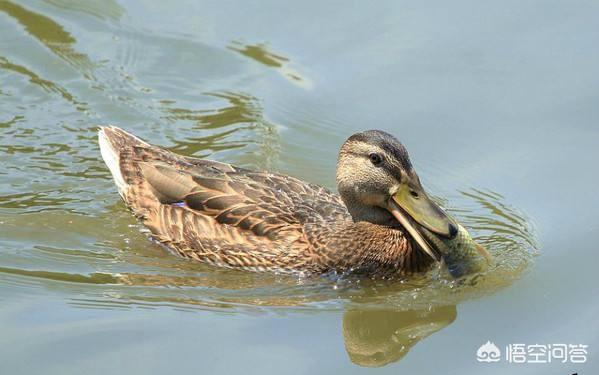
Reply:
x=375, y=158
x=414, y=194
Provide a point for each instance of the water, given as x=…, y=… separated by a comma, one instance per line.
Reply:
x=497, y=104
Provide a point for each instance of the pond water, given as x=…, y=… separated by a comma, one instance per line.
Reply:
x=498, y=105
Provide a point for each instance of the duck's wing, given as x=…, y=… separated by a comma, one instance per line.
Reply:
x=196, y=205
x=261, y=202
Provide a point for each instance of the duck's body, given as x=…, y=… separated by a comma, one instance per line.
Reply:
x=233, y=217
x=380, y=225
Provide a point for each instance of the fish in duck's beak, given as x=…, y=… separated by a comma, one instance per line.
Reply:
x=412, y=207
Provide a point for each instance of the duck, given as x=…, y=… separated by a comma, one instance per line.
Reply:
x=380, y=223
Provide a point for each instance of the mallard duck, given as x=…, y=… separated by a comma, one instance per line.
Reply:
x=381, y=223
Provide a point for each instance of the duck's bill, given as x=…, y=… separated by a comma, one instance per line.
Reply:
x=413, y=212
x=410, y=226
x=458, y=251
x=425, y=212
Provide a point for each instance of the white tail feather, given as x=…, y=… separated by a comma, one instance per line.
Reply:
x=111, y=158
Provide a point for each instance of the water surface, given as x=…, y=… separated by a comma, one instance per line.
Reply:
x=497, y=104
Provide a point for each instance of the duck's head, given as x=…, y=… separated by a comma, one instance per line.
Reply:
x=378, y=184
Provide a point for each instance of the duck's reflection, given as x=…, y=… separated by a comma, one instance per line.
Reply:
x=375, y=338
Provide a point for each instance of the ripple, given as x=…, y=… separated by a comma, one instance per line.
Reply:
x=106, y=9
x=237, y=124
x=46, y=85
x=261, y=53
x=12, y=121
x=49, y=33
x=511, y=245
x=94, y=278
x=34, y=201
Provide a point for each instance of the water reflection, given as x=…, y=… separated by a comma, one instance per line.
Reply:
x=12, y=121
x=372, y=337
x=260, y=52
x=36, y=80
x=375, y=338
x=239, y=123
x=241, y=108
x=32, y=201
x=93, y=278
x=105, y=9
x=49, y=33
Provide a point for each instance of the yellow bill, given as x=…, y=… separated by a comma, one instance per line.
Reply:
x=412, y=207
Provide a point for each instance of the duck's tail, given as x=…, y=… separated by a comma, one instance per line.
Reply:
x=116, y=145
x=146, y=176
x=124, y=153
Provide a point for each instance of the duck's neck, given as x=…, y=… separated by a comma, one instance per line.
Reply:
x=389, y=248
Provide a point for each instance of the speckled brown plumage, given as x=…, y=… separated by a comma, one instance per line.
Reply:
x=233, y=217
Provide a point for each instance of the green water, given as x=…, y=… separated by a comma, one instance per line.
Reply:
x=497, y=104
